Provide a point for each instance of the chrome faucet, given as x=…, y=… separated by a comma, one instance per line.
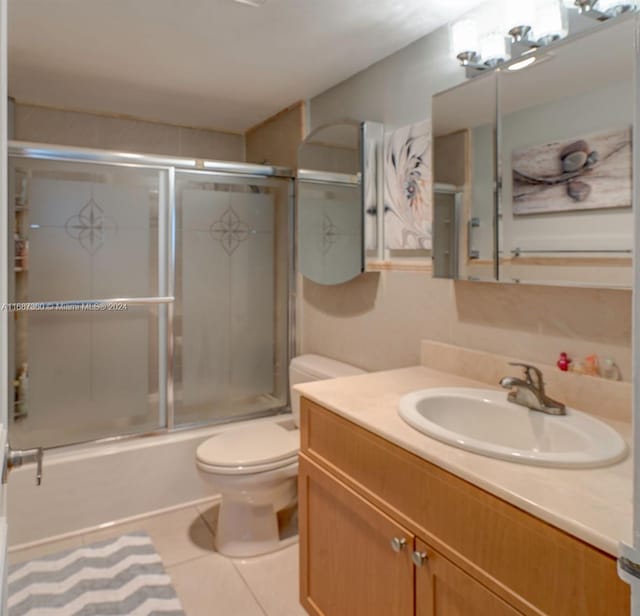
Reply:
x=530, y=392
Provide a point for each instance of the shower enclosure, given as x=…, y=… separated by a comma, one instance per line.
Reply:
x=151, y=293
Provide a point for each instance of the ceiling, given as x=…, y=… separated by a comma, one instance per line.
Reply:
x=209, y=63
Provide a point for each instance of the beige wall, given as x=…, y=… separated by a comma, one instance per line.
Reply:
x=62, y=127
x=275, y=141
x=378, y=320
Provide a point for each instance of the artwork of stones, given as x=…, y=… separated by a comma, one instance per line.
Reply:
x=577, y=174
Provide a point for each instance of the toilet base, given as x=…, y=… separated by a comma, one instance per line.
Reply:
x=251, y=504
x=245, y=530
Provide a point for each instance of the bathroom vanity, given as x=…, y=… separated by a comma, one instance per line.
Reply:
x=395, y=523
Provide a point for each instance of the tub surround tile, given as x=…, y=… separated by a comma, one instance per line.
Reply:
x=212, y=586
x=42, y=125
x=607, y=399
x=217, y=145
x=275, y=141
x=139, y=136
x=594, y=505
x=93, y=130
x=279, y=570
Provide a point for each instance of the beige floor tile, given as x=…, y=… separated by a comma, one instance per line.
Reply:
x=178, y=536
x=273, y=580
x=44, y=550
x=211, y=586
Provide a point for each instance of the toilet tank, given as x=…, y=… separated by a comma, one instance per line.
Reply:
x=305, y=368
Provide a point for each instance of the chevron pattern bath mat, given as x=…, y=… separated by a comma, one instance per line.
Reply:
x=119, y=576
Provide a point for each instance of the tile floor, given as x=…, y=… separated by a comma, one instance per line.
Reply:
x=207, y=583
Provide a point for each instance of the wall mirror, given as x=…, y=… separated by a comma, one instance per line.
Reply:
x=565, y=143
x=464, y=204
x=562, y=161
x=337, y=200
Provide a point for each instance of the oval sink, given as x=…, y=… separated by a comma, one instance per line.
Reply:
x=484, y=422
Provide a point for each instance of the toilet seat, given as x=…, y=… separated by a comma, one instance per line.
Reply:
x=249, y=449
x=246, y=470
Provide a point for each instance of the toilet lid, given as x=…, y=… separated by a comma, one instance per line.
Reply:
x=250, y=446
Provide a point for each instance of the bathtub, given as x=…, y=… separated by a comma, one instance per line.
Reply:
x=84, y=489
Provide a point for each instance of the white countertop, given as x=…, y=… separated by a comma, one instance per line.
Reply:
x=594, y=505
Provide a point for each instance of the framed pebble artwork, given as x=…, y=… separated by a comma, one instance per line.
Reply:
x=582, y=173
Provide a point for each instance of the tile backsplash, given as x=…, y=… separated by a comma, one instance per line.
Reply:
x=608, y=399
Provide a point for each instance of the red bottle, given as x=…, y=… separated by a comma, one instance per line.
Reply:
x=563, y=362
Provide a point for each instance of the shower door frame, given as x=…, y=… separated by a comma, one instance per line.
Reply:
x=167, y=167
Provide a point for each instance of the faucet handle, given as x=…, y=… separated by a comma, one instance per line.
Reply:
x=528, y=369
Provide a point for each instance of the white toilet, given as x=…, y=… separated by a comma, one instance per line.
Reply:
x=255, y=468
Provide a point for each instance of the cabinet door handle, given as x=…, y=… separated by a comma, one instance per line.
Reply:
x=398, y=544
x=419, y=558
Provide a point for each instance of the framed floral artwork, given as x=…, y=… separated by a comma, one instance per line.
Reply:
x=408, y=188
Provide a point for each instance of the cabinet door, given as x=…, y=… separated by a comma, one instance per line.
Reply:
x=442, y=589
x=349, y=563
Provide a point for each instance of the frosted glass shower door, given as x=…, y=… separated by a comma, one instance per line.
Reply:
x=84, y=232
x=231, y=286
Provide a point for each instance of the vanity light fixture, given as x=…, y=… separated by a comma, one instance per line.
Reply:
x=530, y=25
x=520, y=18
x=606, y=9
x=551, y=21
x=474, y=53
x=465, y=41
x=493, y=49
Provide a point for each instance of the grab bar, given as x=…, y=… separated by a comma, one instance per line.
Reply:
x=130, y=301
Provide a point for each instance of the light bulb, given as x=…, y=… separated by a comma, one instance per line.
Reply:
x=493, y=48
x=518, y=66
x=520, y=13
x=615, y=7
x=551, y=21
x=464, y=37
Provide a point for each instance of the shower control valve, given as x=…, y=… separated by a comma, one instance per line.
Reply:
x=18, y=457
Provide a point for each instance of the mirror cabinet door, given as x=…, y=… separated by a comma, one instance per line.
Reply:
x=464, y=221
x=329, y=231
x=566, y=162
x=337, y=200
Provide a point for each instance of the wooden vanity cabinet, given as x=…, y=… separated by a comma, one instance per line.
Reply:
x=442, y=589
x=358, y=562
x=350, y=568
x=475, y=555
